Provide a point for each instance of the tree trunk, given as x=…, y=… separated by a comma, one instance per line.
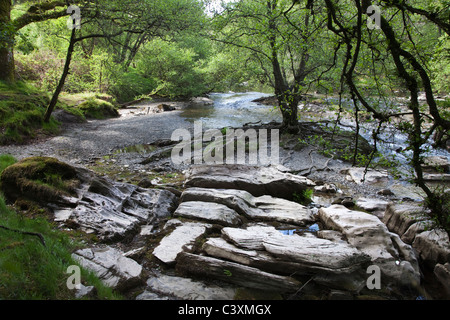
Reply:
x=7, y=69
x=60, y=86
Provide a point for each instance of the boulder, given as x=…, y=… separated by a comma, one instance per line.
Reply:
x=263, y=208
x=368, y=234
x=375, y=206
x=442, y=273
x=184, y=289
x=406, y=220
x=258, y=181
x=208, y=211
x=111, y=266
x=180, y=239
x=360, y=176
x=82, y=199
x=433, y=246
x=235, y=273
x=436, y=164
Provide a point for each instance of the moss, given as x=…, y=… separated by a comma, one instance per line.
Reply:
x=98, y=109
x=41, y=179
x=22, y=109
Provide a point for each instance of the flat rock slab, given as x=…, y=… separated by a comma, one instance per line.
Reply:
x=258, y=181
x=360, y=176
x=231, y=272
x=368, y=234
x=208, y=211
x=174, y=287
x=111, y=266
x=263, y=208
x=179, y=240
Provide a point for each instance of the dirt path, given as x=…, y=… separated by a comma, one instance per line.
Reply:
x=80, y=143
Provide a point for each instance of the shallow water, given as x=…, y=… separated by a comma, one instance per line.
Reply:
x=232, y=110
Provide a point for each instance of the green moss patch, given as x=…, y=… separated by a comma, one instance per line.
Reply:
x=22, y=109
x=40, y=179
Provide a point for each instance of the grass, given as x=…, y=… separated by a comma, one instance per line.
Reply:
x=28, y=269
x=22, y=109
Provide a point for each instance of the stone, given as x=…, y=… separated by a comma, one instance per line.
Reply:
x=258, y=181
x=235, y=273
x=208, y=211
x=180, y=239
x=436, y=164
x=437, y=177
x=400, y=217
x=175, y=287
x=111, y=266
x=375, y=206
x=368, y=234
x=326, y=188
x=442, y=273
x=433, y=246
x=83, y=291
x=263, y=208
x=250, y=238
x=82, y=199
x=360, y=176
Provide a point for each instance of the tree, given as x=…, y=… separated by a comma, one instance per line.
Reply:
x=280, y=35
x=8, y=29
x=397, y=37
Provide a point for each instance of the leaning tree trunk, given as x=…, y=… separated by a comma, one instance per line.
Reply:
x=7, y=69
x=60, y=86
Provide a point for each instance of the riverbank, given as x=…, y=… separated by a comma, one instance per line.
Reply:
x=133, y=150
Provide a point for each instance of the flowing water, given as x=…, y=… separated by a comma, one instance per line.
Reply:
x=232, y=110
x=236, y=109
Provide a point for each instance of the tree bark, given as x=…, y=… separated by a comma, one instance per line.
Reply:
x=62, y=80
x=7, y=67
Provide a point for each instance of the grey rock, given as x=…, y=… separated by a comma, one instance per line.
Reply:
x=369, y=235
x=178, y=240
x=111, y=266
x=208, y=211
x=258, y=181
x=174, y=287
x=263, y=208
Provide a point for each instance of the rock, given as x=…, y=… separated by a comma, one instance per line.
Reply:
x=433, y=246
x=114, y=210
x=437, y=177
x=250, y=238
x=385, y=192
x=326, y=188
x=264, y=208
x=399, y=218
x=111, y=266
x=258, y=181
x=208, y=211
x=184, y=289
x=235, y=273
x=369, y=235
x=436, y=164
x=376, y=206
x=83, y=291
x=335, y=264
x=442, y=273
x=359, y=176
x=165, y=107
x=82, y=199
x=180, y=239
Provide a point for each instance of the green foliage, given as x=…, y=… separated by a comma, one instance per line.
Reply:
x=28, y=270
x=5, y=161
x=22, y=109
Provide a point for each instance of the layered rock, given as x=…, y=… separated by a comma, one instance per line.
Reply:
x=264, y=208
x=369, y=235
x=258, y=181
x=111, y=266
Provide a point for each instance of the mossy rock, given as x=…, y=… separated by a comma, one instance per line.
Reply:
x=98, y=109
x=40, y=179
